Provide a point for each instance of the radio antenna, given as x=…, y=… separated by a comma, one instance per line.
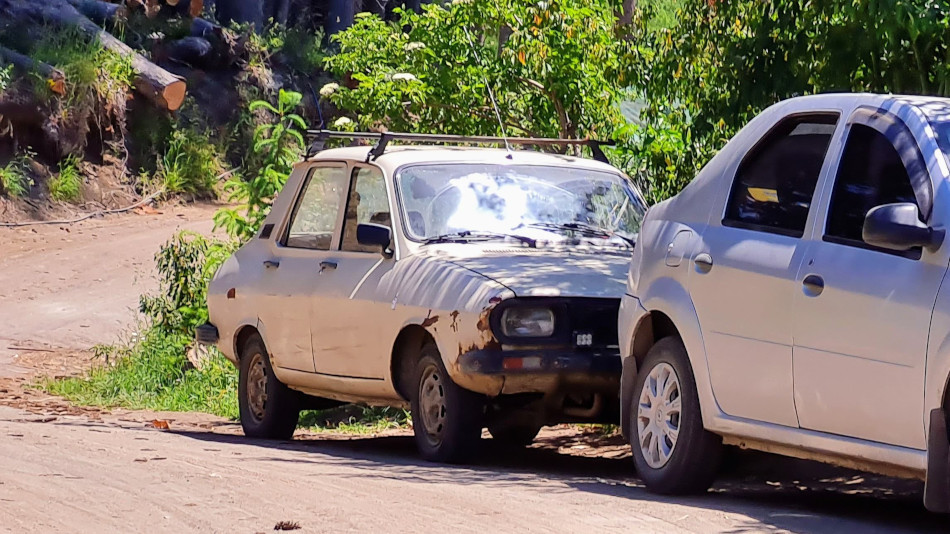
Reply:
x=491, y=94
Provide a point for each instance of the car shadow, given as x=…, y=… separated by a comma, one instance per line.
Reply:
x=775, y=493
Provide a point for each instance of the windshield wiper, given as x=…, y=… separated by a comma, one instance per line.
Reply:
x=468, y=235
x=584, y=229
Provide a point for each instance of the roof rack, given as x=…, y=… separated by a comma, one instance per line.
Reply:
x=319, y=138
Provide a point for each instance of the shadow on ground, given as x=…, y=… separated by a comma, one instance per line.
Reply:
x=775, y=493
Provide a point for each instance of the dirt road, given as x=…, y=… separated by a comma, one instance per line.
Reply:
x=66, y=469
x=71, y=287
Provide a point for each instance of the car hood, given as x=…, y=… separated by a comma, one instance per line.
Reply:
x=596, y=272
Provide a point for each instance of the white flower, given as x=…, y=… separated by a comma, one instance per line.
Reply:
x=415, y=45
x=329, y=89
x=404, y=76
x=341, y=122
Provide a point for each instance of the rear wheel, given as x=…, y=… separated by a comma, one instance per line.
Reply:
x=446, y=419
x=673, y=452
x=268, y=408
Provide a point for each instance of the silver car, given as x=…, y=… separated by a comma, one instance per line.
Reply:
x=794, y=298
x=479, y=286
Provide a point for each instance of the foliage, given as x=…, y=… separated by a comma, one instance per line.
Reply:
x=554, y=68
x=191, y=163
x=153, y=373
x=15, y=179
x=185, y=265
x=276, y=147
x=303, y=50
x=6, y=77
x=67, y=185
x=723, y=62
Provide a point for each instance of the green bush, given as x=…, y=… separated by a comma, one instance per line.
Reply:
x=191, y=163
x=67, y=185
x=90, y=69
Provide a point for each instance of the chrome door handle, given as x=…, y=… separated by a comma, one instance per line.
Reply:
x=324, y=265
x=271, y=264
x=813, y=285
x=703, y=262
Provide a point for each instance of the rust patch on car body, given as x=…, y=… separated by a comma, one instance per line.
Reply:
x=455, y=321
x=429, y=321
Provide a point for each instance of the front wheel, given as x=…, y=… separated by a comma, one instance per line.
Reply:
x=446, y=419
x=268, y=408
x=673, y=452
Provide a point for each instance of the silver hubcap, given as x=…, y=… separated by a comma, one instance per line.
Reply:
x=432, y=404
x=257, y=387
x=658, y=415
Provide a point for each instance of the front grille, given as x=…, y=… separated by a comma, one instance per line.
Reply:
x=596, y=318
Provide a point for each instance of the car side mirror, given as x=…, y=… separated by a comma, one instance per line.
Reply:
x=897, y=227
x=372, y=234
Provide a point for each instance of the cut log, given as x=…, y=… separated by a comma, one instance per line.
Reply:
x=203, y=28
x=149, y=7
x=101, y=12
x=155, y=83
x=54, y=77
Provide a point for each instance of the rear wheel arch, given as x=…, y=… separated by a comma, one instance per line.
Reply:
x=242, y=336
x=654, y=326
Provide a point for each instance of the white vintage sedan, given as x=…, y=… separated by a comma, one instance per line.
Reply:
x=478, y=285
x=794, y=298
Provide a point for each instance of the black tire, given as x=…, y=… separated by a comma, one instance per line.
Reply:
x=694, y=459
x=281, y=406
x=458, y=415
x=513, y=436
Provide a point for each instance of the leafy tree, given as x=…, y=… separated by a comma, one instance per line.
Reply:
x=721, y=63
x=553, y=66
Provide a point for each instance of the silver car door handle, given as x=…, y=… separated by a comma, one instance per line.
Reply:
x=703, y=262
x=324, y=265
x=271, y=264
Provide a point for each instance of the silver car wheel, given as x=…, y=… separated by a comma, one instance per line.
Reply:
x=432, y=404
x=257, y=387
x=658, y=415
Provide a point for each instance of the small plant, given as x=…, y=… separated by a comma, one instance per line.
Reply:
x=185, y=266
x=90, y=68
x=67, y=185
x=15, y=180
x=276, y=147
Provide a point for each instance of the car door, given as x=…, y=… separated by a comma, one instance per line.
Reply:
x=742, y=281
x=289, y=274
x=862, y=314
x=348, y=336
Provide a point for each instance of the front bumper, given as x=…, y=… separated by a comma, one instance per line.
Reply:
x=540, y=362
x=206, y=334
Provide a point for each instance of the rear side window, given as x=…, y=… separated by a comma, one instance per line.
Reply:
x=871, y=173
x=368, y=203
x=776, y=181
x=318, y=206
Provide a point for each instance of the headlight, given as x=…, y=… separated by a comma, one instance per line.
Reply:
x=527, y=322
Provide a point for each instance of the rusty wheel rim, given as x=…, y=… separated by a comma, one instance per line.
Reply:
x=257, y=387
x=432, y=404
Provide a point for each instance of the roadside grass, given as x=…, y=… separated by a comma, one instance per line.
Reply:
x=15, y=181
x=355, y=419
x=152, y=373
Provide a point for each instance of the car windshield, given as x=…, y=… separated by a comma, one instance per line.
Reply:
x=529, y=202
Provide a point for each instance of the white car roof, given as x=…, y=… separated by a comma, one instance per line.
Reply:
x=935, y=108
x=396, y=156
